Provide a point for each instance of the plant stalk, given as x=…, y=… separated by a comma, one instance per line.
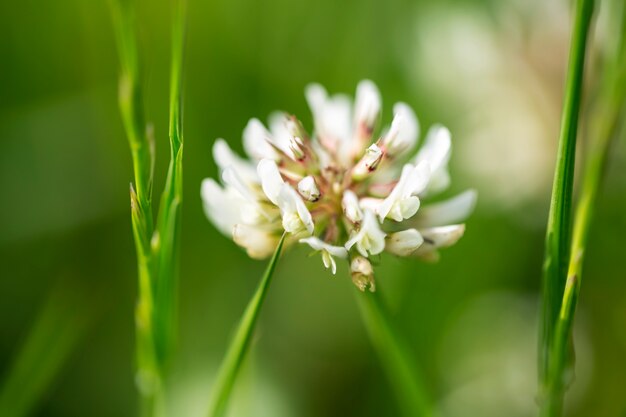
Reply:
x=559, y=220
x=240, y=343
x=395, y=356
x=157, y=248
x=609, y=108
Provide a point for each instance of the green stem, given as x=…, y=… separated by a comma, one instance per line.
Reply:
x=157, y=250
x=395, y=356
x=142, y=150
x=166, y=249
x=610, y=106
x=559, y=220
x=239, y=345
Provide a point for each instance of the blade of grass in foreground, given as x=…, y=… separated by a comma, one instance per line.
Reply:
x=157, y=250
x=58, y=328
x=395, y=356
x=142, y=150
x=166, y=245
x=604, y=127
x=558, y=232
x=238, y=348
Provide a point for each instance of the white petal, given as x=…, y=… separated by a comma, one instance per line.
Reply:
x=271, y=180
x=402, y=202
x=328, y=258
x=441, y=237
x=225, y=157
x=303, y=212
x=332, y=117
x=418, y=179
x=403, y=243
x=436, y=151
x=370, y=203
x=318, y=245
x=402, y=135
x=281, y=136
x=453, y=210
x=367, y=104
x=404, y=208
x=231, y=177
x=256, y=141
x=322, y=154
x=370, y=239
x=316, y=96
x=258, y=242
x=296, y=217
x=351, y=208
x=220, y=206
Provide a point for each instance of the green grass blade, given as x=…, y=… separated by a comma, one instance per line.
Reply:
x=610, y=107
x=58, y=328
x=239, y=345
x=558, y=232
x=395, y=356
x=131, y=106
x=141, y=143
x=166, y=247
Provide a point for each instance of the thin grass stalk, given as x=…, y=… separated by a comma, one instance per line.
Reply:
x=166, y=242
x=610, y=108
x=157, y=250
x=558, y=232
x=142, y=151
x=395, y=356
x=238, y=347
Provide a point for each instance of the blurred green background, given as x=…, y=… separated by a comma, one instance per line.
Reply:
x=491, y=71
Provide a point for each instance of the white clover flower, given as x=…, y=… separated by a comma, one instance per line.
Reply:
x=342, y=191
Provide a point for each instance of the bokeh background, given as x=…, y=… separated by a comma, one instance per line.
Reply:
x=490, y=70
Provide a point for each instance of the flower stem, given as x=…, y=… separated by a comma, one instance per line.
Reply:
x=395, y=356
x=610, y=105
x=239, y=345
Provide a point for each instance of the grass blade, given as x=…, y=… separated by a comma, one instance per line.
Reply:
x=58, y=328
x=166, y=247
x=239, y=345
x=610, y=106
x=157, y=250
x=558, y=232
x=142, y=151
x=395, y=356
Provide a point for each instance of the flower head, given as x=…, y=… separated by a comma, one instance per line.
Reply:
x=342, y=191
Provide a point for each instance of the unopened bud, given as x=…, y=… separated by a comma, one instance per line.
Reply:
x=308, y=188
x=297, y=148
x=368, y=163
x=362, y=273
x=294, y=127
